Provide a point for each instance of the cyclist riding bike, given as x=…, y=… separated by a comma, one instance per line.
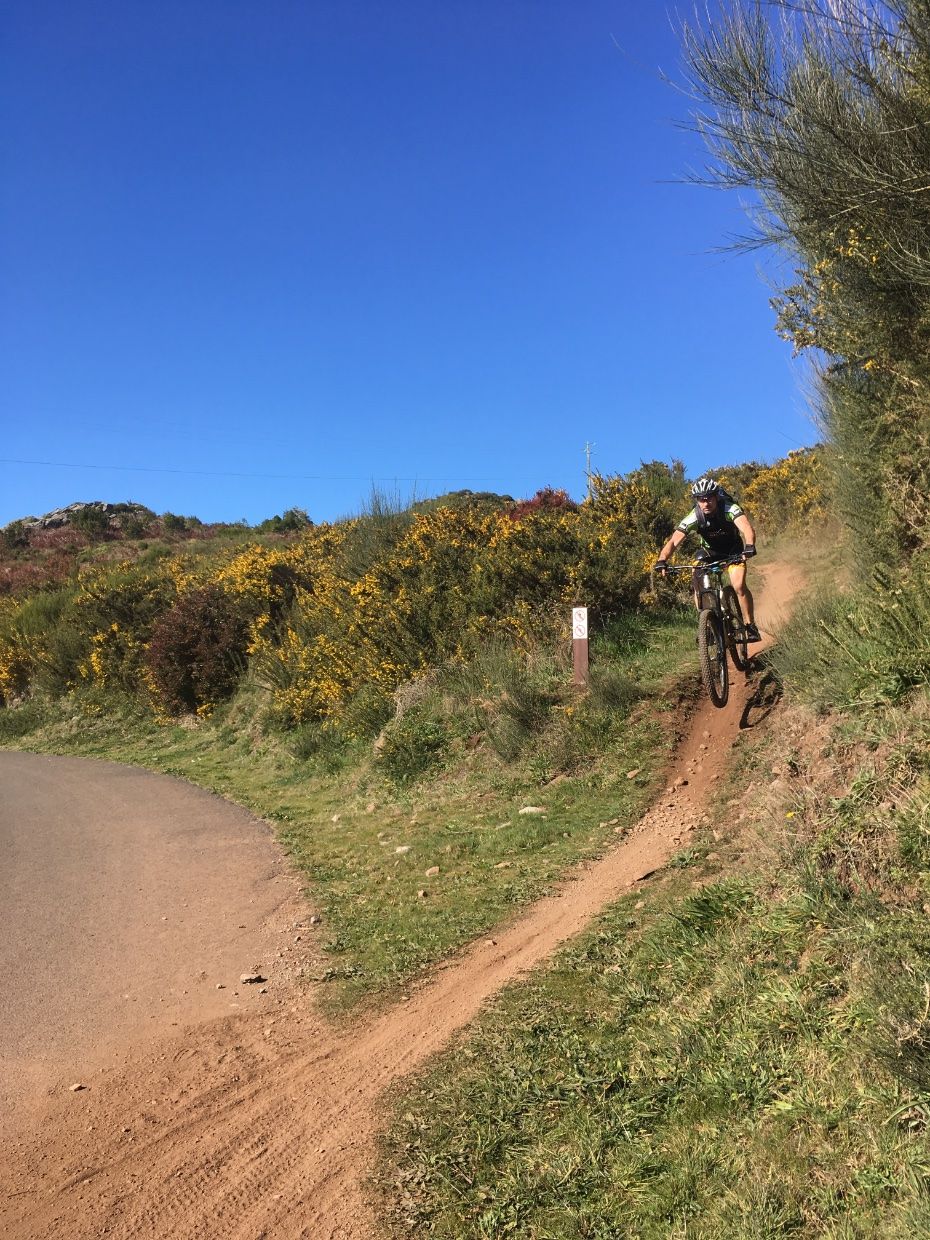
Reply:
x=723, y=530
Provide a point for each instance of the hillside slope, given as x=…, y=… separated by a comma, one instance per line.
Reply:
x=269, y=1128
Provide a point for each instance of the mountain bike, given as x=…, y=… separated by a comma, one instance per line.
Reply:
x=721, y=627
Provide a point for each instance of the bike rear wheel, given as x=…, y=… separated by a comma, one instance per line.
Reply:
x=713, y=653
x=736, y=630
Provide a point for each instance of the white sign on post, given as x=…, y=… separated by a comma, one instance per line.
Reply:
x=579, y=622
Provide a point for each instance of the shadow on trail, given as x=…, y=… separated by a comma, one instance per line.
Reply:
x=767, y=695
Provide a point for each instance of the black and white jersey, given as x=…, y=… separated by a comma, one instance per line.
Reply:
x=715, y=531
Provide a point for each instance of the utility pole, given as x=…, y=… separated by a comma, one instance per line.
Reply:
x=587, y=467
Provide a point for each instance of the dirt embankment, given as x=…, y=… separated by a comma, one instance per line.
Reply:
x=262, y=1123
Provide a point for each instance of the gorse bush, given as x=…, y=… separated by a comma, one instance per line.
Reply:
x=446, y=579
x=42, y=643
x=197, y=652
x=792, y=493
x=114, y=614
x=825, y=113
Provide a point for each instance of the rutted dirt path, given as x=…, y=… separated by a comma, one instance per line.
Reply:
x=260, y=1124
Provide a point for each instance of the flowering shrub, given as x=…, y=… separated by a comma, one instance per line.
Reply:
x=14, y=663
x=790, y=492
x=114, y=660
x=113, y=615
x=545, y=500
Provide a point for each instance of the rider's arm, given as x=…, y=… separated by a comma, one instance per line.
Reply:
x=747, y=533
x=677, y=538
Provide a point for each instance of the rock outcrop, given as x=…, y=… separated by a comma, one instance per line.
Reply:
x=117, y=515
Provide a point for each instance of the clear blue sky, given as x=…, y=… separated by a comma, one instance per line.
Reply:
x=439, y=241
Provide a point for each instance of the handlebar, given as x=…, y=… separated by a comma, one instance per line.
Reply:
x=713, y=566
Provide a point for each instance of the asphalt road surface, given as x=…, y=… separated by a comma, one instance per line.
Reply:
x=129, y=903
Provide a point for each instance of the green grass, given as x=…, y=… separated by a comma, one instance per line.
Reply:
x=862, y=644
x=364, y=841
x=743, y=1050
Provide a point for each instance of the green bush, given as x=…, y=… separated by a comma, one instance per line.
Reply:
x=293, y=521
x=365, y=714
x=505, y=693
x=611, y=689
x=320, y=743
x=133, y=596
x=48, y=631
x=13, y=537
x=134, y=526
x=17, y=721
x=92, y=522
x=412, y=745
x=374, y=534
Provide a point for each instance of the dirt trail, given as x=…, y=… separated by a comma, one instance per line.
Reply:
x=262, y=1124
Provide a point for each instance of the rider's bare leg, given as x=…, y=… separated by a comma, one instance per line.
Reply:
x=738, y=582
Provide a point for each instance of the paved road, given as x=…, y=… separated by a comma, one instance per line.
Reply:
x=126, y=899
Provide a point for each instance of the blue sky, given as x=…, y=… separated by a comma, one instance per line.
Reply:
x=263, y=255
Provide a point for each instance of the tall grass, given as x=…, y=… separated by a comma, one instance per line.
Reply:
x=864, y=646
x=516, y=701
x=375, y=531
x=47, y=630
x=505, y=693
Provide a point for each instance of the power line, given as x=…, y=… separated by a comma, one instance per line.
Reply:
x=210, y=473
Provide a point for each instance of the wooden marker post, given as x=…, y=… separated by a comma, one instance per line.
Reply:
x=580, y=644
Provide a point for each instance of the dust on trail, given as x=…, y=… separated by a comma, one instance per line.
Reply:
x=262, y=1124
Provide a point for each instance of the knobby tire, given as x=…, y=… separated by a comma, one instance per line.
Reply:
x=713, y=654
x=736, y=630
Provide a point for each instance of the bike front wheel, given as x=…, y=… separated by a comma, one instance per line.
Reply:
x=713, y=653
x=736, y=630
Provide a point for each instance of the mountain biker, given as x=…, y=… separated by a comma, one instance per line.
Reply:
x=723, y=529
